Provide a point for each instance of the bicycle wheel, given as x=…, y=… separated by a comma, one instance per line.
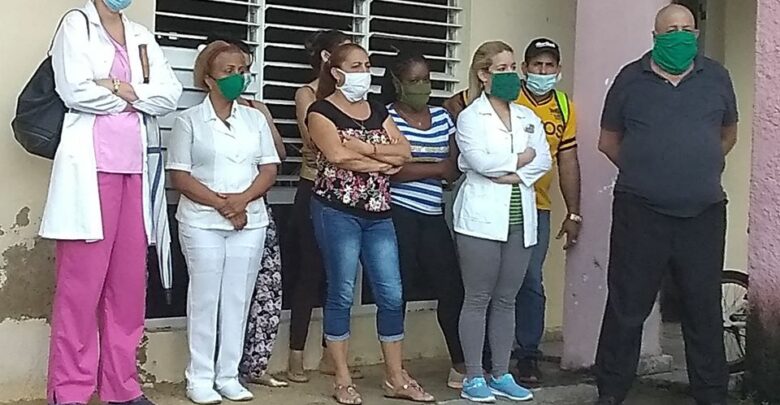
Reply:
x=734, y=285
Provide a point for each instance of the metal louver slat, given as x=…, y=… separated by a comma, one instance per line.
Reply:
x=416, y=21
x=422, y=4
x=309, y=29
x=248, y=3
x=429, y=57
x=312, y=10
x=429, y=27
x=414, y=38
x=278, y=30
x=203, y=18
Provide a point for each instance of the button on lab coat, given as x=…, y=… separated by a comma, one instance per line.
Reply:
x=72, y=210
x=488, y=150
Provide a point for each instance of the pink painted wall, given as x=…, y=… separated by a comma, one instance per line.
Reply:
x=764, y=222
x=610, y=33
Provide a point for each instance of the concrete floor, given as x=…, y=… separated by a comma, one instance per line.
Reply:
x=563, y=389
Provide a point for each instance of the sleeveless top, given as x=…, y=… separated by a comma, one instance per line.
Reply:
x=309, y=161
x=362, y=194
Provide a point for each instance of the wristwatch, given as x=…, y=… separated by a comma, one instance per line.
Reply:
x=117, y=83
x=574, y=218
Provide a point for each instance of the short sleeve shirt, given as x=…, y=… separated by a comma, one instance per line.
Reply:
x=561, y=136
x=225, y=157
x=671, y=156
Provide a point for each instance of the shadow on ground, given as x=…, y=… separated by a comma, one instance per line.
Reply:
x=561, y=388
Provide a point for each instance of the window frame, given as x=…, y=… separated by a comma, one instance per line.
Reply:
x=258, y=25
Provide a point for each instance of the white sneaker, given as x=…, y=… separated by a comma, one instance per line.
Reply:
x=204, y=396
x=236, y=392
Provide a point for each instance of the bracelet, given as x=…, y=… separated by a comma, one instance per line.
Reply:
x=374, y=154
x=117, y=85
x=575, y=218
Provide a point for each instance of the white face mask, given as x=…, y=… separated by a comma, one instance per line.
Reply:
x=356, y=85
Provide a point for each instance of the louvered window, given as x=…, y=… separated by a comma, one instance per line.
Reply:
x=278, y=29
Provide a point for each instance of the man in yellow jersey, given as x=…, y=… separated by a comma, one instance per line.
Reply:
x=542, y=71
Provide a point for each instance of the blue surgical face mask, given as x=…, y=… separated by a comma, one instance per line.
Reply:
x=541, y=84
x=117, y=5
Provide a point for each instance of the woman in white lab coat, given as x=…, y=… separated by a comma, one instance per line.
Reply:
x=98, y=209
x=504, y=152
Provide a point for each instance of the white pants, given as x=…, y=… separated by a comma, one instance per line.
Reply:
x=223, y=267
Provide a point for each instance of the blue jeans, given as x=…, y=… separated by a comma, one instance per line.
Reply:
x=530, y=302
x=345, y=241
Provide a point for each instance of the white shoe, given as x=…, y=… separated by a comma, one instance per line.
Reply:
x=204, y=396
x=236, y=392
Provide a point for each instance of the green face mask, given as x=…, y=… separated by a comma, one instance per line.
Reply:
x=505, y=86
x=231, y=86
x=415, y=95
x=675, y=51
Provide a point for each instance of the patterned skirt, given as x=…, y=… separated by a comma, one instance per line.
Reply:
x=266, y=307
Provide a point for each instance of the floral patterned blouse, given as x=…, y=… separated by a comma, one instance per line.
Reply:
x=365, y=194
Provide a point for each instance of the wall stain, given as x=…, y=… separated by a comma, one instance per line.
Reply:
x=29, y=286
x=141, y=360
x=762, y=354
x=22, y=218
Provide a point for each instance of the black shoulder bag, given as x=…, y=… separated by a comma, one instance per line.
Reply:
x=37, y=124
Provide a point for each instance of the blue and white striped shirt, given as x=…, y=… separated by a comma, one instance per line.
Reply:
x=431, y=145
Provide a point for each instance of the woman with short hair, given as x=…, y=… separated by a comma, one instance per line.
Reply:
x=221, y=157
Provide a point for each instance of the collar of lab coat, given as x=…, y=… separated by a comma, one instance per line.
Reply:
x=485, y=110
x=209, y=114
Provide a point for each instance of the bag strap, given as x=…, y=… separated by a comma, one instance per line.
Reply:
x=62, y=20
x=563, y=104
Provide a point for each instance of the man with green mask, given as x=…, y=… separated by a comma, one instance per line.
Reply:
x=668, y=122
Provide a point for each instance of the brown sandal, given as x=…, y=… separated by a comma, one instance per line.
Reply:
x=411, y=391
x=347, y=395
x=296, y=377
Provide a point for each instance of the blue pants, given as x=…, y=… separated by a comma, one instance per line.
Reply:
x=530, y=302
x=345, y=241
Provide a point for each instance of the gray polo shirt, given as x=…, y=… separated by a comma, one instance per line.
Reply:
x=671, y=157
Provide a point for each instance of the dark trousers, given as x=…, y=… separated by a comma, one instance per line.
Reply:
x=305, y=274
x=646, y=245
x=428, y=257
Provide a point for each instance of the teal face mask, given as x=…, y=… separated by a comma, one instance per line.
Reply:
x=505, y=85
x=675, y=51
x=231, y=86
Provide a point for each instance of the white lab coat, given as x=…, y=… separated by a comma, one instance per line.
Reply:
x=72, y=210
x=489, y=150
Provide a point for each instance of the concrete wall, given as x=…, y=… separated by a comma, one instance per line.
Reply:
x=730, y=36
x=764, y=295
x=739, y=57
x=517, y=23
x=599, y=23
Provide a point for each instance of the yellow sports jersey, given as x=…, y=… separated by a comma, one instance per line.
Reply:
x=561, y=136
